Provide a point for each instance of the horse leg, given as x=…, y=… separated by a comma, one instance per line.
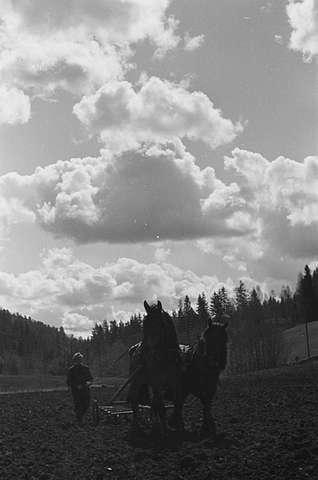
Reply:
x=176, y=419
x=159, y=414
x=208, y=425
x=135, y=426
x=133, y=399
x=179, y=415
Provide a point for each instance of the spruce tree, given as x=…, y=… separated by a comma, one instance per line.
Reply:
x=216, y=306
x=203, y=311
x=189, y=319
x=306, y=296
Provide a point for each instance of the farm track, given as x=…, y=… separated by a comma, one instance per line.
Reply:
x=268, y=420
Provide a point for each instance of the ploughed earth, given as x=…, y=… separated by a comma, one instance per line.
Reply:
x=267, y=429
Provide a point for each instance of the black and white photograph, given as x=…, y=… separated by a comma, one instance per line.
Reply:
x=158, y=239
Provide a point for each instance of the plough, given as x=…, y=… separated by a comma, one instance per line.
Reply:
x=117, y=409
x=114, y=409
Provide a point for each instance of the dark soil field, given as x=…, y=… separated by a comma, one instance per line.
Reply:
x=267, y=423
x=31, y=383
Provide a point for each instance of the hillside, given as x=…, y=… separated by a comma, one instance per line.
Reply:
x=29, y=346
x=294, y=341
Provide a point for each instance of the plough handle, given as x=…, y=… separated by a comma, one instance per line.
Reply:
x=129, y=379
x=120, y=357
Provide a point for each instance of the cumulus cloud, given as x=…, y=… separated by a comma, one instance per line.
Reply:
x=77, y=45
x=303, y=18
x=278, y=39
x=162, y=254
x=15, y=106
x=279, y=215
x=66, y=291
x=160, y=111
x=77, y=324
x=12, y=211
x=193, y=43
x=282, y=196
x=240, y=254
x=270, y=210
x=153, y=194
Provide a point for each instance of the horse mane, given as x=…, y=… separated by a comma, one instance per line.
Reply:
x=171, y=332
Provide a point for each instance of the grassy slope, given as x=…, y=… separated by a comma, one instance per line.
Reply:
x=294, y=340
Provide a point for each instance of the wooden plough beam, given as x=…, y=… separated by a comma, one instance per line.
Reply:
x=111, y=409
x=129, y=380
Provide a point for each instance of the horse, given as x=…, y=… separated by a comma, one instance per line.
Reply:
x=202, y=365
x=157, y=361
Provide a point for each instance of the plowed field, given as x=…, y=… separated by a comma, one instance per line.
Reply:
x=267, y=424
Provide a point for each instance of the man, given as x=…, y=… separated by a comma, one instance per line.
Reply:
x=79, y=379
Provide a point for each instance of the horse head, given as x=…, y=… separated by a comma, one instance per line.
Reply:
x=159, y=333
x=213, y=344
x=153, y=326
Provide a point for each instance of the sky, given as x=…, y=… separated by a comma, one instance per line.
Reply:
x=151, y=149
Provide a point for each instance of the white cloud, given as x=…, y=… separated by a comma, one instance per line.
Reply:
x=162, y=254
x=166, y=38
x=282, y=196
x=269, y=211
x=112, y=21
x=280, y=203
x=160, y=111
x=240, y=253
x=193, y=43
x=12, y=211
x=303, y=18
x=14, y=106
x=153, y=194
x=77, y=324
x=77, y=45
x=265, y=218
x=66, y=291
x=278, y=39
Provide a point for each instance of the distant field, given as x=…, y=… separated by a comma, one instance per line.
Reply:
x=294, y=341
x=26, y=383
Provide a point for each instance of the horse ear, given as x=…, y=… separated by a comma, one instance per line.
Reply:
x=147, y=308
x=159, y=305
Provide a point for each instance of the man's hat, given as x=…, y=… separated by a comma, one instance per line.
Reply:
x=77, y=356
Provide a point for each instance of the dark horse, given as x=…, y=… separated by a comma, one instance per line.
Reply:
x=202, y=365
x=159, y=362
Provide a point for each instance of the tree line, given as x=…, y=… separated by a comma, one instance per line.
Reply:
x=255, y=324
x=29, y=346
